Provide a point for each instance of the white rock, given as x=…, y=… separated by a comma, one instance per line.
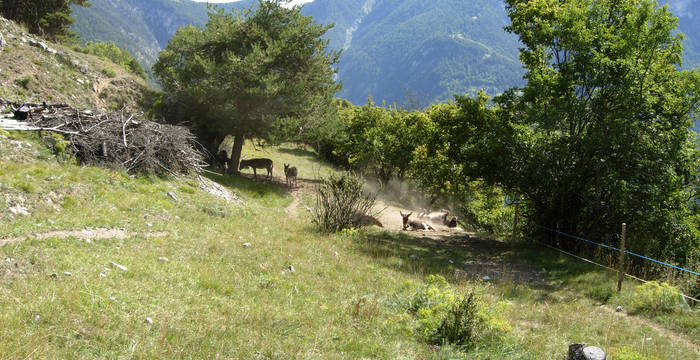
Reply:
x=102, y=275
x=149, y=224
x=172, y=195
x=149, y=320
x=593, y=353
x=451, y=262
x=486, y=278
x=66, y=273
x=88, y=241
x=247, y=245
x=120, y=267
x=336, y=254
x=19, y=210
x=618, y=309
x=113, y=298
x=291, y=268
x=414, y=257
x=163, y=259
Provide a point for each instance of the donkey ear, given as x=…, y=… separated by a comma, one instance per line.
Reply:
x=400, y=212
x=409, y=214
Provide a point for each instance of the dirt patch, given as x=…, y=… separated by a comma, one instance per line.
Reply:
x=100, y=233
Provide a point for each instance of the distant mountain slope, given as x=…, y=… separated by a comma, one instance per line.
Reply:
x=431, y=50
x=142, y=27
x=412, y=52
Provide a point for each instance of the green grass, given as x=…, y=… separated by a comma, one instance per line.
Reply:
x=216, y=298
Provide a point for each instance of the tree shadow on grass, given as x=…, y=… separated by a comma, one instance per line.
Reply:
x=417, y=254
x=247, y=184
x=299, y=152
x=459, y=257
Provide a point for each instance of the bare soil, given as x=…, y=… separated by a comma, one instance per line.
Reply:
x=99, y=233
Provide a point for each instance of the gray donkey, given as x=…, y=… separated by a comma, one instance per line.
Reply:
x=257, y=164
x=291, y=174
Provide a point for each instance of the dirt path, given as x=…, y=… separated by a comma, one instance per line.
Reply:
x=302, y=187
x=100, y=233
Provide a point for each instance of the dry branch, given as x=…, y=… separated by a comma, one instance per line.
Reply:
x=106, y=139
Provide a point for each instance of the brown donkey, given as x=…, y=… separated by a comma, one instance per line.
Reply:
x=257, y=164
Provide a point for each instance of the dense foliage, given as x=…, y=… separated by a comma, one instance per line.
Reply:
x=600, y=135
x=112, y=52
x=48, y=18
x=247, y=73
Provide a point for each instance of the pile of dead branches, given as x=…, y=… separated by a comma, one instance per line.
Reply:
x=117, y=139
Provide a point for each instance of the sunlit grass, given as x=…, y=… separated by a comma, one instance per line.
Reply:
x=216, y=298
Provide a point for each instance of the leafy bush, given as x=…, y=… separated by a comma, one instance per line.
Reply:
x=58, y=144
x=459, y=323
x=108, y=72
x=24, y=81
x=341, y=202
x=626, y=353
x=113, y=53
x=656, y=298
x=445, y=317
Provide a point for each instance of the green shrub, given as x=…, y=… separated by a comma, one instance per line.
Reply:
x=341, y=202
x=108, y=72
x=445, y=317
x=25, y=80
x=626, y=353
x=460, y=323
x=113, y=53
x=58, y=145
x=656, y=298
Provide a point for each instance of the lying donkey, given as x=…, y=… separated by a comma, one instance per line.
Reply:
x=414, y=225
x=440, y=217
x=257, y=164
x=291, y=174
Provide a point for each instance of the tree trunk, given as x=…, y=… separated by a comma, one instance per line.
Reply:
x=238, y=141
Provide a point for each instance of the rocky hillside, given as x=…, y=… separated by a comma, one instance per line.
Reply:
x=35, y=70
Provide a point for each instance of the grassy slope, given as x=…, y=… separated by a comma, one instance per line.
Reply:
x=55, y=80
x=216, y=298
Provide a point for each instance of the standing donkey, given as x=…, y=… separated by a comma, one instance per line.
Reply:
x=257, y=164
x=291, y=174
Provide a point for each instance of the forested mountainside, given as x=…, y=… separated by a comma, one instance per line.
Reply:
x=141, y=27
x=411, y=52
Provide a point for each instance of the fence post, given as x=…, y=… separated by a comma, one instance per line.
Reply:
x=621, y=271
x=515, y=222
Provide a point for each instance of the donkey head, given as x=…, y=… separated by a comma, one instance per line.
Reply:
x=405, y=218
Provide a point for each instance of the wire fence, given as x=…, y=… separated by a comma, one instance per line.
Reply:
x=618, y=250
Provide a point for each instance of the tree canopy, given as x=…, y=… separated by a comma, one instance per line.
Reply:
x=248, y=73
x=601, y=133
x=49, y=18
